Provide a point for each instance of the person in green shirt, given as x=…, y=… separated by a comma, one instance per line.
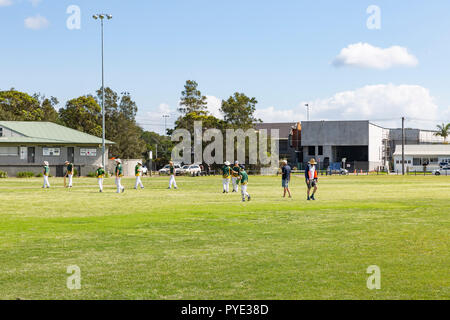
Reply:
x=172, y=174
x=69, y=173
x=138, y=174
x=235, y=176
x=46, y=173
x=244, y=182
x=100, y=174
x=226, y=174
x=119, y=175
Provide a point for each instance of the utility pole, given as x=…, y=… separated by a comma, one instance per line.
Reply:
x=166, y=116
x=403, y=145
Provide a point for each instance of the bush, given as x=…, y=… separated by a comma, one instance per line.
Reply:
x=25, y=174
x=91, y=175
x=39, y=175
x=3, y=174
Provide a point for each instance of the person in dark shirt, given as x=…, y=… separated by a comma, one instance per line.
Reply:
x=286, y=178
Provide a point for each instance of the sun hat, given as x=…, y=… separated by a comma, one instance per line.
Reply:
x=46, y=163
x=312, y=161
x=139, y=162
x=118, y=161
x=67, y=162
x=227, y=163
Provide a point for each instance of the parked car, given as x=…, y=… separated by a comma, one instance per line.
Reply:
x=166, y=170
x=192, y=169
x=442, y=171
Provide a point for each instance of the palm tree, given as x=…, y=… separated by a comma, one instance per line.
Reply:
x=443, y=131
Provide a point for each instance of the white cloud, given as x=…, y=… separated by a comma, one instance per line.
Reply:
x=35, y=3
x=5, y=3
x=365, y=55
x=36, y=22
x=214, y=105
x=384, y=104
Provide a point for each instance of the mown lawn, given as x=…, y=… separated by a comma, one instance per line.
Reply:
x=197, y=243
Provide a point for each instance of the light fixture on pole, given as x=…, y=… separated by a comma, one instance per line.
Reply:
x=307, y=111
x=102, y=16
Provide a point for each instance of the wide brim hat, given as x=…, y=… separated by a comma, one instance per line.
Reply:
x=46, y=163
x=312, y=161
x=67, y=162
x=139, y=162
x=118, y=161
x=227, y=163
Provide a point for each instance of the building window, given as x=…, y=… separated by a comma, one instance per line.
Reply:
x=1, y=132
x=311, y=151
x=9, y=151
x=320, y=152
x=417, y=161
x=51, y=152
x=88, y=152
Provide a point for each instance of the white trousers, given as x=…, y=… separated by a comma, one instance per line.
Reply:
x=244, y=191
x=70, y=179
x=235, y=183
x=46, y=183
x=172, y=182
x=226, y=185
x=100, y=183
x=138, y=182
x=119, y=185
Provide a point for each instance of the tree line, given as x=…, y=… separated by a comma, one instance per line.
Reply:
x=84, y=114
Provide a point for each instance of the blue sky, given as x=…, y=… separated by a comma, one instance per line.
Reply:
x=283, y=53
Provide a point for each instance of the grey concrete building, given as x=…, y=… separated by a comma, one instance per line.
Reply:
x=361, y=143
x=25, y=145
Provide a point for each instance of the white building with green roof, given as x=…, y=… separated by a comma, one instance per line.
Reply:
x=25, y=145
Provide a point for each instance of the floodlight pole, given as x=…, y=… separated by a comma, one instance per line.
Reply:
x=102, y=16
x=307, y=111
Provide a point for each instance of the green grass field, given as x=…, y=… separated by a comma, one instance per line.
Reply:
x=197, y=243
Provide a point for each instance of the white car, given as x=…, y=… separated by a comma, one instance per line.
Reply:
x=192, y=169
x=445, y=171
x=166, y=169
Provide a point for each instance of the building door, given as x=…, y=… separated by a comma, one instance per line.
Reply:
x=60, y=171
x=31, y=155
x=71, y=154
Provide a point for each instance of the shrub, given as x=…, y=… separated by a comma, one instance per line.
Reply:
x=91, y=175
x=25, y=174
x=39, y=175
x=3, y=174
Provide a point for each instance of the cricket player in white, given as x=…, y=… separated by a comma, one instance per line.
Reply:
x=235, y=176
x=226, y=174
x=69, y=173
x=172, y=181
x=138, y=174
x=100, y=173
x=119, y=175
x=46, y=173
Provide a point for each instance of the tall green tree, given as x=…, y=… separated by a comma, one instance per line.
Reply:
x=48, y=107
x=161, y=146
x=19, y=106
x=83, y=114
x=192, y=99
x=239, y=110
x=443, y=131
x=121, y=126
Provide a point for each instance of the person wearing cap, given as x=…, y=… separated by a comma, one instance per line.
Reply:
x=311, y=177
x=138, y=174
x=286, y=178
x=119, y=175
x=235, y=176
x=46, y=173
x=226, y=174
x=172, y=181
x=243, y=179
x=100, y=174
x=69, y=173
